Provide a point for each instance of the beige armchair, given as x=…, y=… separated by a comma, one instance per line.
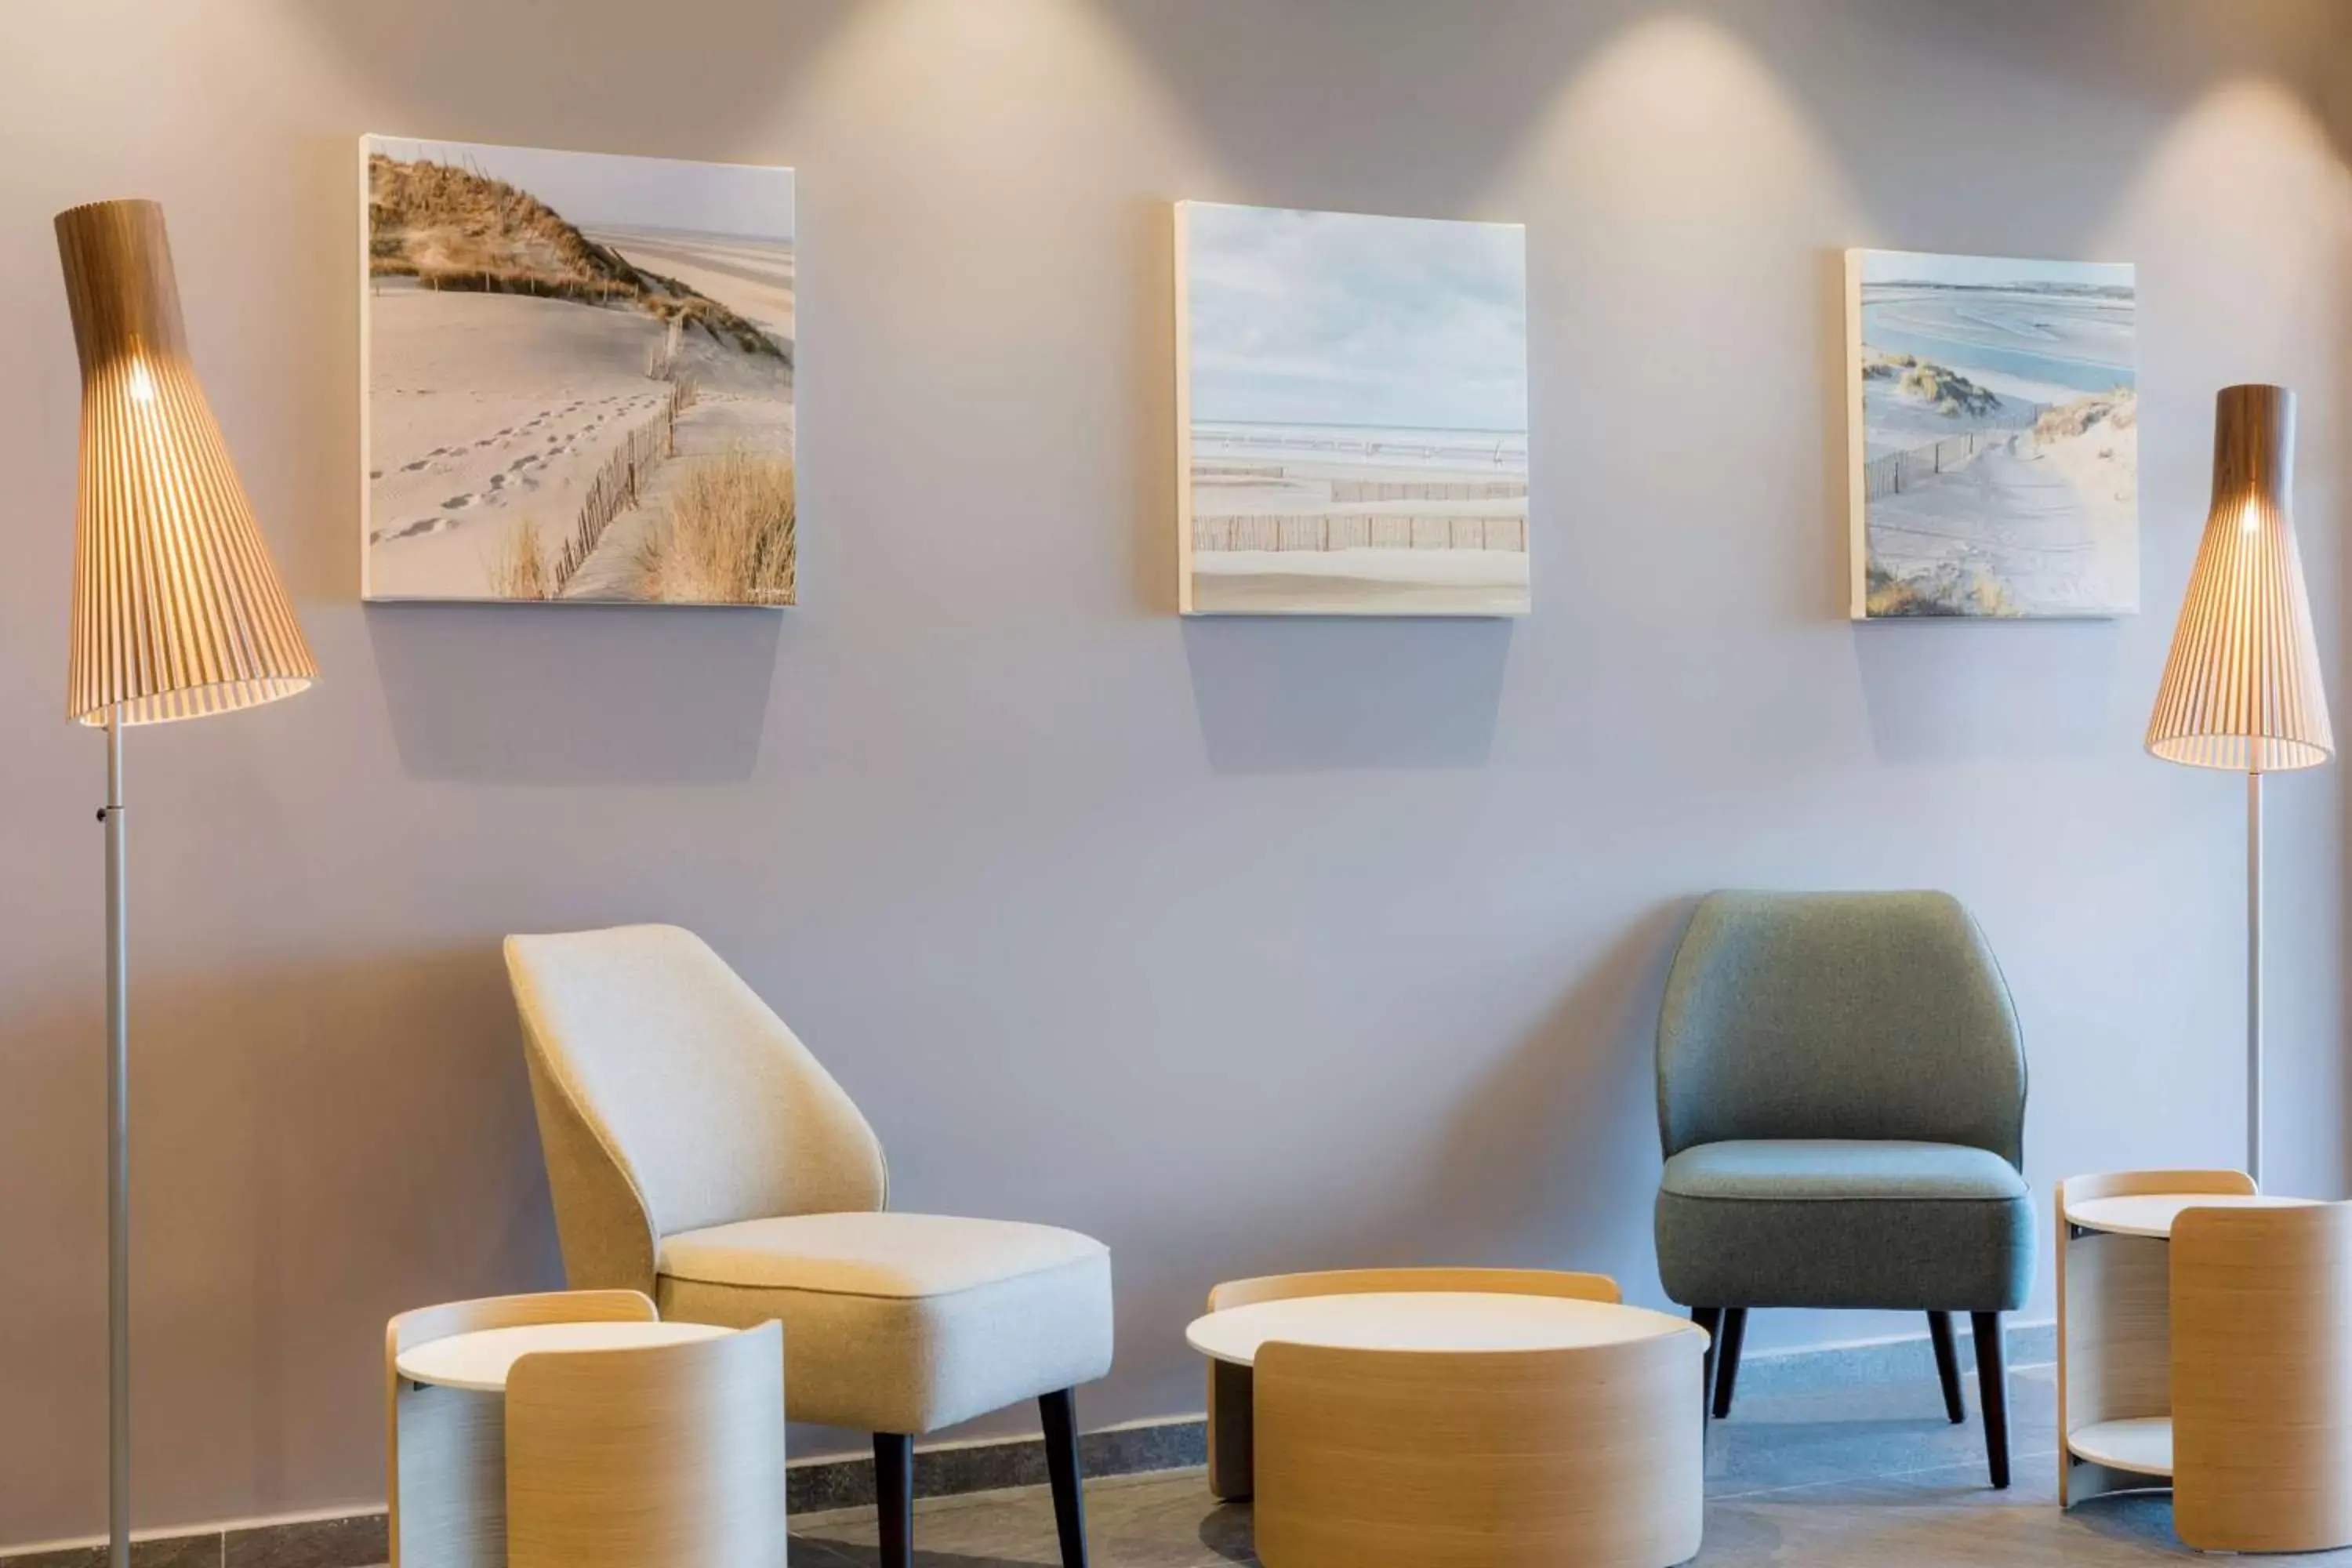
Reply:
x=698, y=1153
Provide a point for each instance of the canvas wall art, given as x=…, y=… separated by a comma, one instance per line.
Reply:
x=1352, y=413
x=578, y=377
x=1994, y=437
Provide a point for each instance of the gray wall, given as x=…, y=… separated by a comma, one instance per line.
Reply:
x=1244, y=946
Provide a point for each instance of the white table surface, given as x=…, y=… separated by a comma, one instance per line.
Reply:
x=1426, y=1321
x=480, y=1361
x=2152, y=1213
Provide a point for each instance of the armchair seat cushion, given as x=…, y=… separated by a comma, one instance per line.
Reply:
x=902, y=1322
x=1845, y=1223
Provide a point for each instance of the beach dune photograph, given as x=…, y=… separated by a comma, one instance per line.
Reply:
x=1995, y=442
x=579, y=377
x=1352, y=413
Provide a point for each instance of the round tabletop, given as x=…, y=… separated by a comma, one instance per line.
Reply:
x=1426, y=1321
x=2152, y=1213
x=480, y=1361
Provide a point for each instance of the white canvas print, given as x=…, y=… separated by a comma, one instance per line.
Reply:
x=578, y=377
x=1994, y=440
x=1352, y=413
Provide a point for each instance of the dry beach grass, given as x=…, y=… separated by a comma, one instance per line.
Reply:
x=729, y=537
x=519, y=567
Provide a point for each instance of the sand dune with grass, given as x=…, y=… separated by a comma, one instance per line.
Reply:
x=456, y=230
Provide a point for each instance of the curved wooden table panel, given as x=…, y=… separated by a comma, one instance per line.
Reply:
x=669, y=1454
x=2261, y=1378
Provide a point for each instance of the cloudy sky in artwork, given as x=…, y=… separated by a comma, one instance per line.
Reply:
x=1304, y=318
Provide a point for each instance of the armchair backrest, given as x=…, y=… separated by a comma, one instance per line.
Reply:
x=1862, y=1016
x=670, y=1096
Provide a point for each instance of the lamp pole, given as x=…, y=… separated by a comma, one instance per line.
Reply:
x=2254, y=976
x=118, y=1158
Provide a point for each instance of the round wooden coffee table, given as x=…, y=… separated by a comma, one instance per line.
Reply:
x=574, y=1429
x=1451, y=1418
x=2202, y=1346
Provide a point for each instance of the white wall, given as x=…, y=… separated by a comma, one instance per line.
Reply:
x=1243, y=945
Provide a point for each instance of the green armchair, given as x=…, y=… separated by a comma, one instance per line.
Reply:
x=1841, y=1100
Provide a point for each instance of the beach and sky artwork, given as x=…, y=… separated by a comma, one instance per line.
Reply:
x=1994, y=437
x=578, y=377
x=1352, y=413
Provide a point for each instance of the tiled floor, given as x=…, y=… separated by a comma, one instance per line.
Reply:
x=1837, y=1479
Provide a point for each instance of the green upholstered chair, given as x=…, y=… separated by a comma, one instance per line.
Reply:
x=1841, y=1099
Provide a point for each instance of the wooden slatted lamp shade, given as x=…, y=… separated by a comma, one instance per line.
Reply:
x=2242, y=689
x=177, y=611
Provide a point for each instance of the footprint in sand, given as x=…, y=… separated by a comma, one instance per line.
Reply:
x=412, y=468
x=457, y=503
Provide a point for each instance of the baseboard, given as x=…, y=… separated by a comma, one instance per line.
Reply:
x=820, y=1484
x=346, y=1538
x=990, y=1464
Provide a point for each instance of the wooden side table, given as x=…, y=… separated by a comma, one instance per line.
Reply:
x=2122, y=1285
x=576, y=1430
x=1459, y=1419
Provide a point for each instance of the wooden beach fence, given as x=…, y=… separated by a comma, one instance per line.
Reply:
x=1906, y=471
x=619, y=484
x=1419, y=490
x=1358, y=530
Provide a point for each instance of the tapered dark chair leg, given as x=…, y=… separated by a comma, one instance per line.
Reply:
x=1711, y=1320
x=1948, y=1364
x=894, y=1498
x=1992, y=1392
x=1726, y=1370
x=1060, y=1410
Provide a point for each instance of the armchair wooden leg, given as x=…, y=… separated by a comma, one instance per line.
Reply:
x=1727, y=1375
x=894, y=1498
x=1948, y=1364
x=1992, y=1390
x=1061, y=1418
x=1711, y=1320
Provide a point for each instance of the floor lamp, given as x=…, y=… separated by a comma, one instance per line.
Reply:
x=2242, y=689
x=177, y=614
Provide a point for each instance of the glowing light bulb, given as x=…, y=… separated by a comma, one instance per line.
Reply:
x=143, y=385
